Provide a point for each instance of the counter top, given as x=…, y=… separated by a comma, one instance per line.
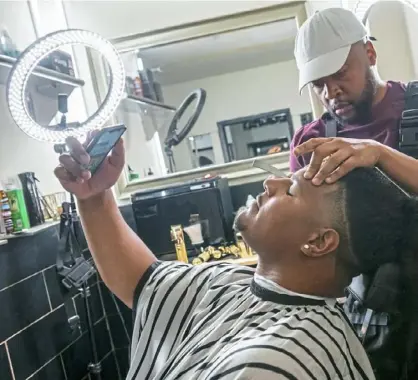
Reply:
x=29, y=232
x=238, y=173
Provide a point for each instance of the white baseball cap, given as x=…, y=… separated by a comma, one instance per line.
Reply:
x=324, y=41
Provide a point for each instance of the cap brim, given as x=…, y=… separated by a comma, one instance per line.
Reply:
x=322, y=66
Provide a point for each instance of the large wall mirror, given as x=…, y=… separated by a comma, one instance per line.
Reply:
x=245, y=65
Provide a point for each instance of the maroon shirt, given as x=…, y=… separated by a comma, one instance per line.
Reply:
x=384, y=127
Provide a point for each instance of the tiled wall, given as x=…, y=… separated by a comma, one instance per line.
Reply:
x=35, y=339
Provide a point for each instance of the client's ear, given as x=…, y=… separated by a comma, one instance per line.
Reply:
x=321, y=243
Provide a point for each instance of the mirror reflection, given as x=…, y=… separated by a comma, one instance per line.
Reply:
x=201, y=150
x=252, y=105
x=53, y=101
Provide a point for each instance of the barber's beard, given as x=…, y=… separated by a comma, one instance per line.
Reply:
x=363, y=107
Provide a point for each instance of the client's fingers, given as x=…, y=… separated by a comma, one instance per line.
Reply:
x=73, y=167
x=63, y=174
x=77, y=151
x=117, y=156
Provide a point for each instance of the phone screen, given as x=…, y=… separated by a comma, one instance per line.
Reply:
x=102, y=144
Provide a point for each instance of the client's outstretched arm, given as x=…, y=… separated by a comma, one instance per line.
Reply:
x=120, y=255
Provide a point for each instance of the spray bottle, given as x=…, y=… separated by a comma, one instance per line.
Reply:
x=19, y=213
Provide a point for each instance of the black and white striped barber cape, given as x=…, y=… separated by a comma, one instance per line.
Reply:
x=215, y=321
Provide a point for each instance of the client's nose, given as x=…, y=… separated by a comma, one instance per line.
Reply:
x=272, y=184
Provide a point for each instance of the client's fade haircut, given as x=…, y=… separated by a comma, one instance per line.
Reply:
x=381, y=223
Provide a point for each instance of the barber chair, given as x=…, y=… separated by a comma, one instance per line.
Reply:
x=375, y=307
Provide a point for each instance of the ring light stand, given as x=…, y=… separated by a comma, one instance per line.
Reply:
x=73, y=269
x=173, y=136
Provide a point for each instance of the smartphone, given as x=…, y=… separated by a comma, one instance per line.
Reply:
x=101, y=145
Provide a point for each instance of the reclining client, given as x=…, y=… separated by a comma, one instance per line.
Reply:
x=224, y=321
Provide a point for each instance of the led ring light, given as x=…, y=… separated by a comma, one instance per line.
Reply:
x=362, y=7
x=30, y=58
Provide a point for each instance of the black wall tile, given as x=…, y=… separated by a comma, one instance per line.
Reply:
x=21, y=257
x=109, y=368
x=129, y=320
x=25, y=302
x=120, y=339
x=33, y=347
x=46, y=243
x=5, y=373
x=104, y=345
x=53, y=370
x=109, y=303
x=76, y=358
x=95, y=305
x=22, y=304
x=122, y=356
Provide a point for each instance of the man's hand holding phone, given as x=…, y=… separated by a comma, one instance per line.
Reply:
x=75, y=179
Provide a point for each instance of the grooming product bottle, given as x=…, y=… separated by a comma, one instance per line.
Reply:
x=177, y=236
x=7, y=46
x=18, y=209
x=32, y=198
x=2, y=226
x=138, y=86
x=5, y=212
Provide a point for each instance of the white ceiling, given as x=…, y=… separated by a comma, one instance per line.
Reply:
x=222, y=53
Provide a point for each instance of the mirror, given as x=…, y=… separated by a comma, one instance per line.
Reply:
x=243, y=62
x=250, y=78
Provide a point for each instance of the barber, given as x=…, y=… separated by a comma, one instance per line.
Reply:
x=337, y=59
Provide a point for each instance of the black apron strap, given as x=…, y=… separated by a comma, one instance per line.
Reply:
x=408, y=125
x=330, y=125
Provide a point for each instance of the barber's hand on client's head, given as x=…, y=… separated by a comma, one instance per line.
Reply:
x=78, y=181
x=333, y=157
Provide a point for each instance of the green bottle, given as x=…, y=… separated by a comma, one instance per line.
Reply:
x=17, y=204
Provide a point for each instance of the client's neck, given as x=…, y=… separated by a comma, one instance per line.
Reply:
x=308, y=280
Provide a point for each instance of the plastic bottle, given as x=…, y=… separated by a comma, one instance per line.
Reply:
x=138, y=86
x=19, y=213
x=2, y=225
x=5, y=212
x=7, y=46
